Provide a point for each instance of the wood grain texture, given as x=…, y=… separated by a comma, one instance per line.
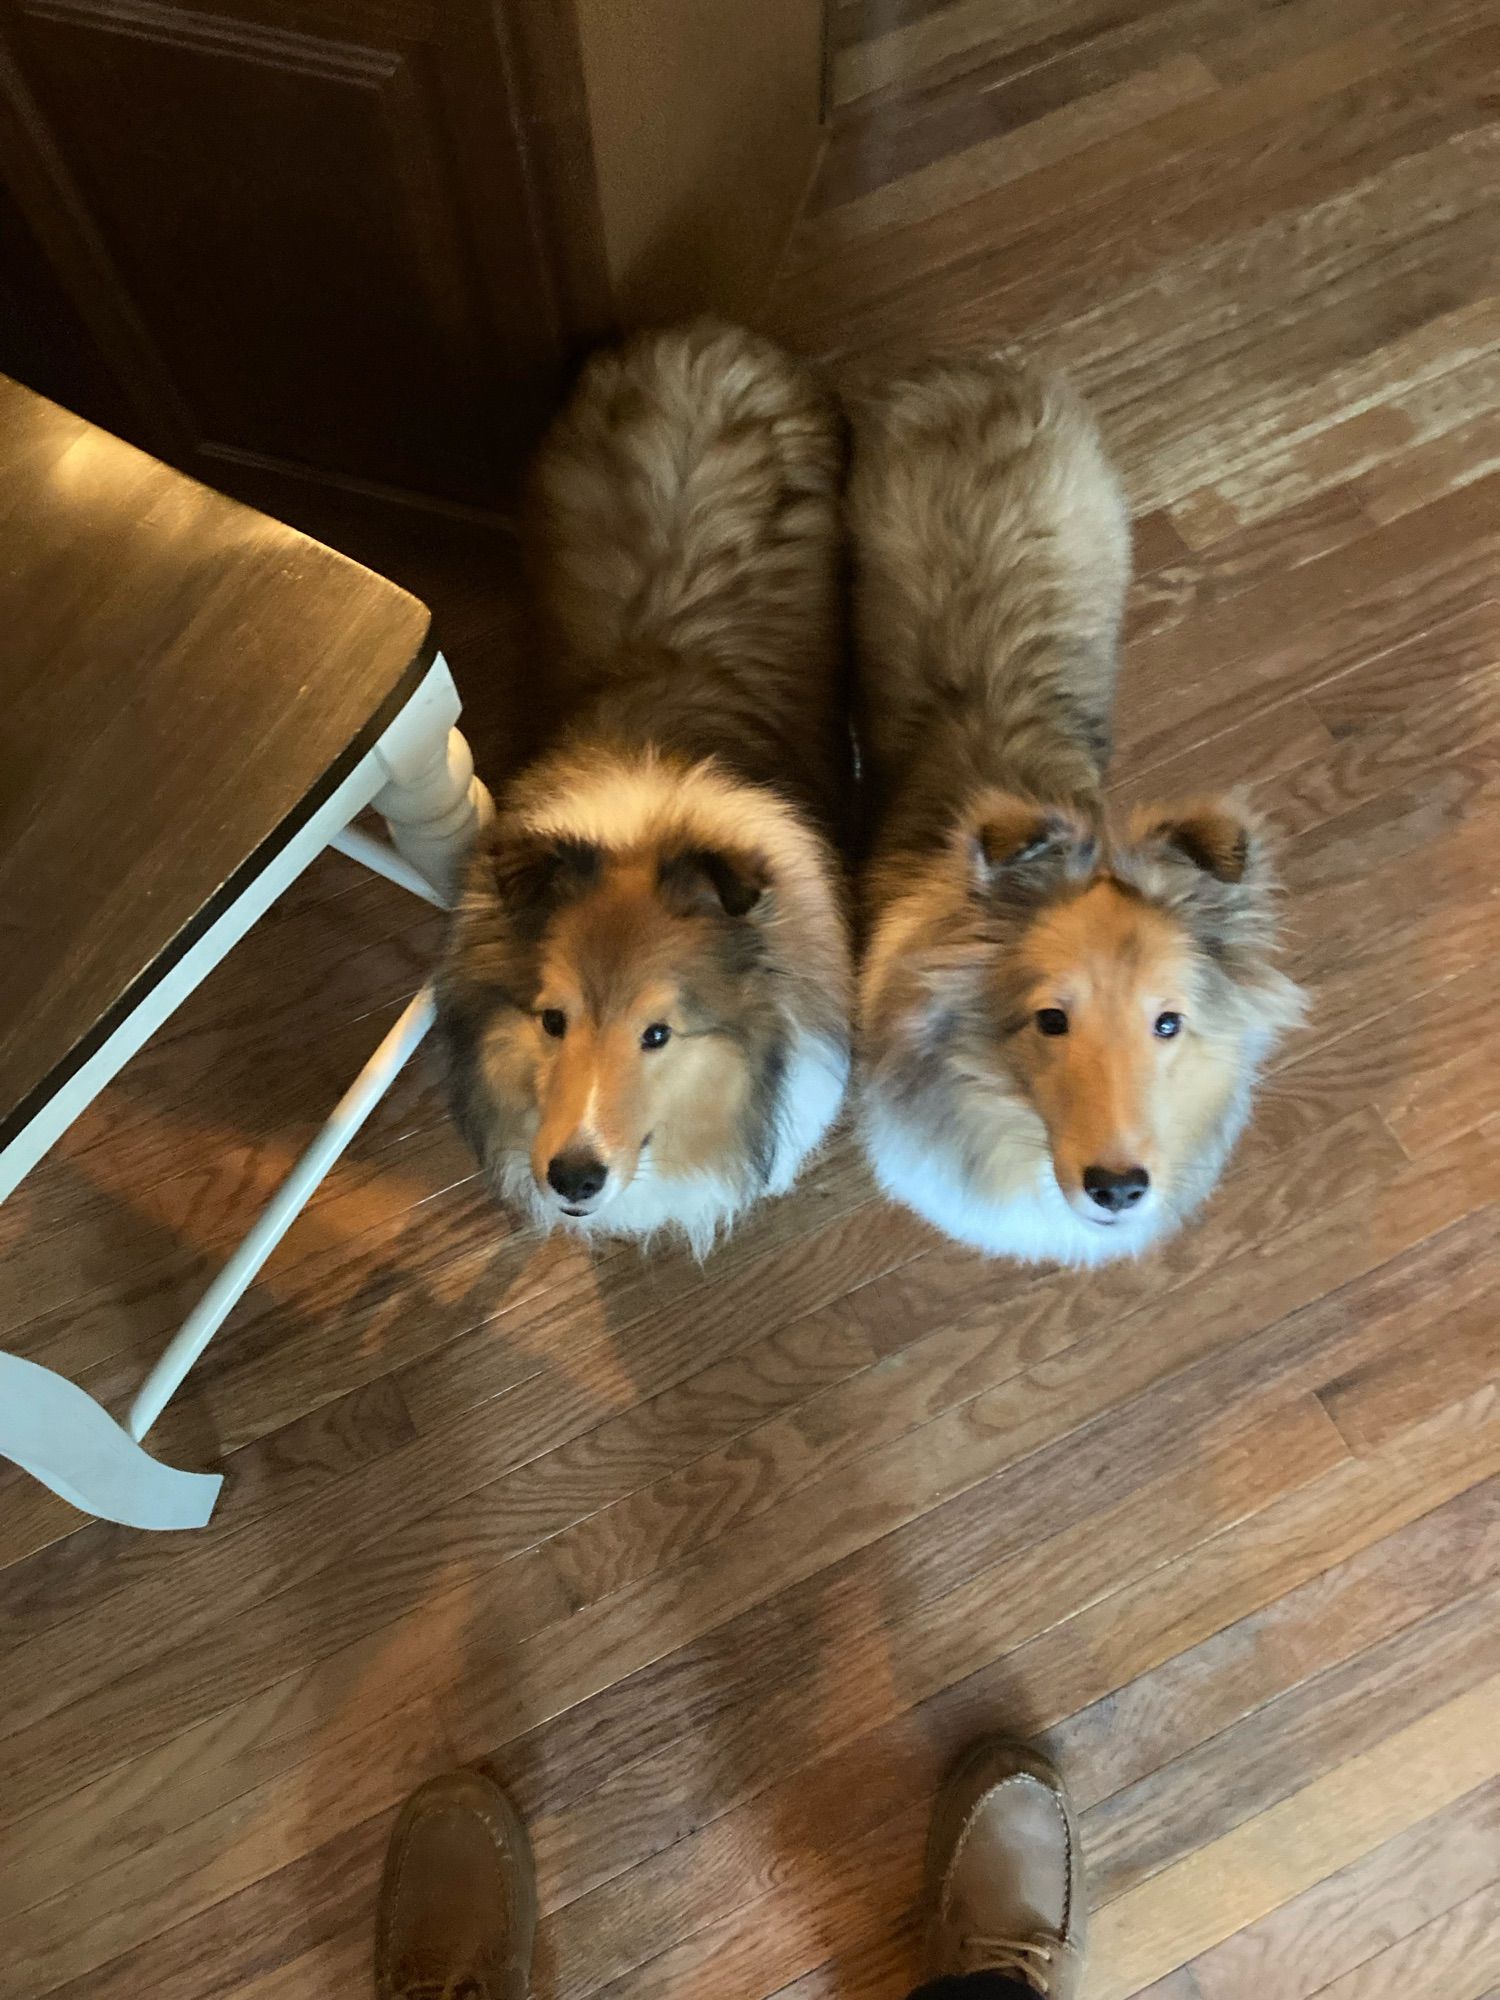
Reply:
x=1349, y=1918
x=720, y=1567
x=183, y=683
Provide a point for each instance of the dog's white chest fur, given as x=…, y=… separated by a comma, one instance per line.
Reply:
x=1034, y=1224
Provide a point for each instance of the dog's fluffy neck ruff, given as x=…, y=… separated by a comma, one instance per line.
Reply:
x=619, y=800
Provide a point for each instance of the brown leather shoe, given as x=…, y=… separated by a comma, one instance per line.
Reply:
x=457, y=1914
x=1004, y=1874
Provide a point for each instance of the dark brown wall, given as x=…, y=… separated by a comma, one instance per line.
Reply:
x=707, y=126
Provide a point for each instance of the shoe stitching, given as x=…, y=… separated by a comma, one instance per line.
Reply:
x=1067, y=1833
x=496, y=1828
x=972, y=1817
x=967, y=1826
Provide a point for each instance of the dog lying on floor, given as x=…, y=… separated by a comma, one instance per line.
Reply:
x=644, y=1002
x=1061, y=1019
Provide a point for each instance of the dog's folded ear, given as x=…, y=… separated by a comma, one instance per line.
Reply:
x=1015, y=835
x=1212, y=863
x=1214, y=834
x=700, y=881
x=531, y=872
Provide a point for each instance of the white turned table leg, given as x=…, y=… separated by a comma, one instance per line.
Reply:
x=432, y=802
x=420, y=777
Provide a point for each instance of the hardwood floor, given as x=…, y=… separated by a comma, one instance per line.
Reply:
x=720, y=1567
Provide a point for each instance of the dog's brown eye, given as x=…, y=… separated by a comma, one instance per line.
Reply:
x=657, y=1034
x=1052, y=1021
x=554, y=1023
x=1167, y=1025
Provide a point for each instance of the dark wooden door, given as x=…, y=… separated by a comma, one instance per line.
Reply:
x=305, y=236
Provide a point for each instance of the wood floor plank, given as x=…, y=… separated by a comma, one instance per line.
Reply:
x=927, y=194
x=1242, y=154
x=1345, y=334
x=1349, y=1918
x=120, y=1228
x=337, y=1262
x=1270, y=1660
x=1399, y=453
x=247, y=1747
x=182, y=1873
x=1224, y=559
x=1327, y=618
x=1192, y=1693
x=655, y=1797
x=938, y=1372
x=340, y=1963
x=1426, y=1111
x=878, y=140
x=252, y=1934
x=1345, y=744
x=829, y=1905
x=1437, y=464
x=602, y=1933
x=252, y=1069
x=972, y=203
x=1446, y=370
x=800, y=1254
x=953, y=1453
x=1357, y=249
x=96, y=1560
x=1454, y=1957
x=1457, y=1354
x=914, y=49
x=117, y=1809
x=1276, y=35
x=1337, y=1818
x=1414, y=361
x=1312, y=1729
x=51, y=1207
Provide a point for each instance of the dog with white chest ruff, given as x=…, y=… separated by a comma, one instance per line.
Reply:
x=644, y=1003
x=1061, y=1018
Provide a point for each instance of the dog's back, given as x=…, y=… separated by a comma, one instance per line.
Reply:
x=685, y=526
x=992, y=553
x=645, y=999
x=1061, y=1018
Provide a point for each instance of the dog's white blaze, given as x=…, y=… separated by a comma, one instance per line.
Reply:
x=587, y=1128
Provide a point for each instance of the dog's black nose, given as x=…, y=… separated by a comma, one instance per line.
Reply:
x=1115, y=1191
x=577, y=1176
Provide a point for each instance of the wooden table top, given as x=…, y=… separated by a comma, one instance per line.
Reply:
x=182, y=682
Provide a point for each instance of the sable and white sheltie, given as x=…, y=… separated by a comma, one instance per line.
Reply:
x=645, y=999
x=1061, y=1018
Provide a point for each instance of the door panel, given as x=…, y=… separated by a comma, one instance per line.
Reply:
x=297, y=204
x=332, y=254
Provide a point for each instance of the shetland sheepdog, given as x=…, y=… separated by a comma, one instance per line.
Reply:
x=1061, y=1017
x=645, y=999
